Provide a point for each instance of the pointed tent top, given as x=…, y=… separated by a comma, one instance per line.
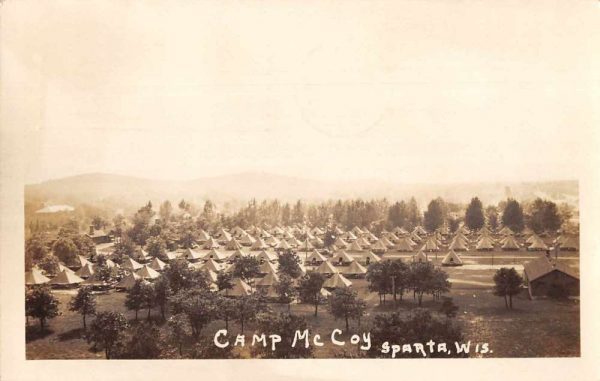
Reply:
x=240, y=288
x=355, y=268
x=341, y=256
x=157, y=264
x=65, y=278
x=211, y=244
x=452, y=259
x=128, y=281
x=354, y=246
x=268, y=280
x=326, y=268
x=130, y=264
x=211, y=264
x=85, y=271
x=35, y=276
x=146, y=272
x=420, y=257
x=214, y=254
x=315, y=256
x=337, y=281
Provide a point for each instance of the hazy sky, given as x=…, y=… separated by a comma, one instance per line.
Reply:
x=413, y=91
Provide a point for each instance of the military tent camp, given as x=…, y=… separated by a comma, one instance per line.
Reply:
x=452, y=259
x=506, y=231
x=405, y=244
x=283, y=245
x=202, y=236
x=419, y=230
x=569, y=243
x=537, y=245
x=339, y=242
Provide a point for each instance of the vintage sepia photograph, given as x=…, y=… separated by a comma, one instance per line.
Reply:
x=290, y=180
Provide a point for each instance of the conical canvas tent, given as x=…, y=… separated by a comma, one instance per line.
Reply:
x=272, y=241
x=484, y=230
x=452, y=259
x=485, y=244
x=569, y=243
x=233, y=245
x=157, y=264
x=405, y=244
x=202, y=236
x=315, y=258
x=128, y=281
x=339, y=242
x=399, y=231
x=458, y=245
x=389, y=244
x=349, y=237
x=355, y=269
x=317, y=242
x=224, y=237
x=416, y=238
x=86, y=271
x=147, y=272
x=259, y=244
x=267, y=267
x=266, y=256
x=306, y=246
x=363, y=242
x=171, y=255
x=354, y=246
x=356, y=231
x=211, y=264
x=326, y=268
x=130, y=264
x=506, y=231
x=368, y=257
x=379, y=247
x=268, y=280
x=95, y=282
x=34, y=277
x=247, y=240
x=337, y=280
x=215, y=255
x=212, y=276
x=240, y=288
x=317, y=231
x=510, y=244
x=431, y=245
x=537, y=245
x=192, y=255
x=419, y=230
x=211, y=244
x=532, y=238
x=341, y=258
x=65, y=278
x=283, y=245
x=238, y=254
x=419, y=257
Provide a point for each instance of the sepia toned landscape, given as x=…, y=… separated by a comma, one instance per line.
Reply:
x=166, y=276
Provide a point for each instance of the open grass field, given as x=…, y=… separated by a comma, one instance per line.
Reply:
x=534, y=328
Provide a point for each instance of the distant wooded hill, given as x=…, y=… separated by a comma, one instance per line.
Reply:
x=126, y=191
